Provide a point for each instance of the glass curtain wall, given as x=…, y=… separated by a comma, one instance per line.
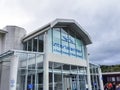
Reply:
x=67, y=42
x=95, y=82
x=67, y=77
x=30, y=71
x=35, y=44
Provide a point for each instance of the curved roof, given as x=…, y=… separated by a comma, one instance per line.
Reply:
x=64, y=22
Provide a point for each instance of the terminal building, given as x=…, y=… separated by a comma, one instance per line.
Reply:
x=54, y=57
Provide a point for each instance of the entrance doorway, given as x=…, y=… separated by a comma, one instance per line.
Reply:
x=74, y=82
x=70, y=82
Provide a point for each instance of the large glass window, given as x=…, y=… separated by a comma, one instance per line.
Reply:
x=66, y=42
x=30, y=71
x=35, y=44
x=66, y=77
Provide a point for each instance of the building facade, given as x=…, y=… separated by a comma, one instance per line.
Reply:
x=113, y=77
x=53, y=57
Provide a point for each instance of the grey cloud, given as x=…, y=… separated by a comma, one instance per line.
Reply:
x=100, y=18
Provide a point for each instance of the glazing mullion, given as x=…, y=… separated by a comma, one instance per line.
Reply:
x=78, y=83
x=96, y=77
x=32, y=45
x=36, y=76
x=53, y=77
x=27, y=45
x=60, y=40
x=75, y=44
x=84, y=77
x=52, y=38
x=62, y=78
x=31, y=81
x=37, y=43
x=93, y=78
x=26, y=73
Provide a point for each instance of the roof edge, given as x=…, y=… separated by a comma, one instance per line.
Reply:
x=3, y=31
x=58, y=20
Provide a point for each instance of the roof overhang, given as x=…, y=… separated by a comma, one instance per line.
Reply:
x=62, y=23
x=3, y=31
x=110, y=73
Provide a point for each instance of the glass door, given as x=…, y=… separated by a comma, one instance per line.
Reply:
x=70, y=82
x=82, y=82
x=74, y=82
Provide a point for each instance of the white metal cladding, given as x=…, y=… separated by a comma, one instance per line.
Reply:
x=62, y=22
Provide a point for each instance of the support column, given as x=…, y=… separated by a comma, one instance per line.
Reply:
x=88, y=72
x=0, y=73
x=88, y=76
x=13, y=72
x=100, y=79
x=45, y=66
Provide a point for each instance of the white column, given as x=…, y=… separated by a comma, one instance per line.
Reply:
x=89, y=78
x=101, y=80
x=88, y=72
x=13, y=72
x=45, y=66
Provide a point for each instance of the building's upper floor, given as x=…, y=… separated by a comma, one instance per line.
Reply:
x=62, y=36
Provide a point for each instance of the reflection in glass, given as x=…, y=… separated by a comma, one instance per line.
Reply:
x=30, y=45
x=31, y=61
x=67, y=43
x=35, y=43
x=41, y=42
x=58, y=82
x=22, y=60
x=57, y=66
x=65, y=77
x=30, y=71
x=56, y=41
x=50, y=81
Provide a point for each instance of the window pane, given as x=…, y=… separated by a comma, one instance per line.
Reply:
x=40, y=81
x=56, y=41
x=58, y=81
x=30, y=45
x=23, y=60
x=25, y=46
x=79, y=48
x=65, y=40
x=66, y=67
x=35, y=43
x=72, y=43
x=31, y=61
x=40, y=44
x=72, y=50
x=57, y=66
x=50, y=81
x=73, y=68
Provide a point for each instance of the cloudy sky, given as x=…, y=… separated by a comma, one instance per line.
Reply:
x=100, y=18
